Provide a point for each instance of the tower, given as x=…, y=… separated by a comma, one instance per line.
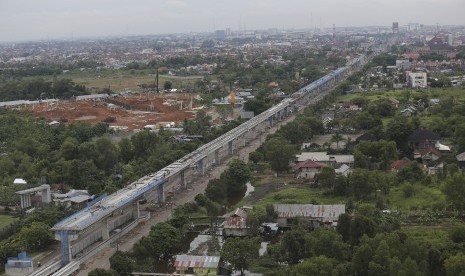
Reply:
x=395, y=27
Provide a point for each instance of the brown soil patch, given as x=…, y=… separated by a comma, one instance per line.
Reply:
x=134, y=112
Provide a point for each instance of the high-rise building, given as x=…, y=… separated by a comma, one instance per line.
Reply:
x=395, y=27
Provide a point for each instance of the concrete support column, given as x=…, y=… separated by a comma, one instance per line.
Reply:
x=271, y=121
x=65, y=248
x=217, y=157
x=161, y=193
x=106, y=231
x=230, y=147
x=183, y=179
x=200, y=167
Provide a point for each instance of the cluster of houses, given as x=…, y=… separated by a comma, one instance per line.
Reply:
x=235, y=225
x=428, y=152
x=314, y=216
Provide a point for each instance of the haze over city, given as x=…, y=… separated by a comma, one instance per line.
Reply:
x=55, y=19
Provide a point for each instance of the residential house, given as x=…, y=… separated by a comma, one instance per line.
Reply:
x=394, y=102
x=343, y=170
x=235, y=224
x=423, y=138
x=442, y=148
x=410, y=110
x=461, y=160
x=434, y=167
x=417, y=79
x=314, y=215
x=398, y=165
x=325, y=158
x=308, y=169
x=426, y=155
x=197, y=265
x=368, y=137
x=77, y=198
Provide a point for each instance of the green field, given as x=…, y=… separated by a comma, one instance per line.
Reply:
x=122, y=79
x=458, y=93
x=424, y=197
x=6, y=220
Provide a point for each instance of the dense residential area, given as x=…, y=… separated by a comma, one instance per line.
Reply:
x=365, y=179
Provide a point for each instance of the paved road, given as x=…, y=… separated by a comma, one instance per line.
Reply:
x=126, y=243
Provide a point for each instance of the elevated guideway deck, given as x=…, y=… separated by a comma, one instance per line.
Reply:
x=107, y=214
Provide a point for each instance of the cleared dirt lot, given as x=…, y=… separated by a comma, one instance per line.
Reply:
x=133, y=112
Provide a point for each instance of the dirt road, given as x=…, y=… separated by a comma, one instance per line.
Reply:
x=126, y=243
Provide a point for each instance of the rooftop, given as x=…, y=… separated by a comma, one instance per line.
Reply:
x=197, y=261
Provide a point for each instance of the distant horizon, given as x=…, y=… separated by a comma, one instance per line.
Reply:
x=73, y=37
x=25, y=20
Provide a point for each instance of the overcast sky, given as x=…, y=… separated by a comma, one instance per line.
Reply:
x=49, y=19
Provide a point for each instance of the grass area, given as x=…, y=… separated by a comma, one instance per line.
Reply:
x=121, y=79
x=299, y=196
x=127, y=81
x=6, y=220
x=424, y=197
x=437, y=235
x=456, y=92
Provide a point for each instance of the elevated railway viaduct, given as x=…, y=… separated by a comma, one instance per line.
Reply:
x=107, y=215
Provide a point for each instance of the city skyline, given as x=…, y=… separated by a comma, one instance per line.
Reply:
x=52, y=19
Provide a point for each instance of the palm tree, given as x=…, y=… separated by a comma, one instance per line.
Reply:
x=337, y=138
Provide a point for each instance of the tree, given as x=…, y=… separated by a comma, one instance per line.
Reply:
x=361, y=184
x=318, y=266
x=255, y=156
x=240, y=252
x=101, y=272
x=36, y=236
x=398, y=130
x=163, y=241
x=411, y=173
x=455, y=265
x=295, y=245
x=337, y=138
x=216, y=190
x=454, y=189
x=327, y=177
x=126, y=150
x=122, y=263
x=236, y=177
x=296, y=132
x=167, y=85
x=279, y=153
x=329, y=243
x=371, y=154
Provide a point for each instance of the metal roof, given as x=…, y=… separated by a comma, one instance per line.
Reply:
x=197, y=261
x=324, y=157
x=324, y=212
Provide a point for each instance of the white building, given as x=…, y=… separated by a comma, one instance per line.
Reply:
x=417, y=79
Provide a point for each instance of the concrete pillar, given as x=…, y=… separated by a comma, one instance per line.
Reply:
x=183, y=179
x=65, y=248
x=200, y=166
x=271, y=121
x=230, y=147
x=217, y=157
x=106, y=231
x=161, y=193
